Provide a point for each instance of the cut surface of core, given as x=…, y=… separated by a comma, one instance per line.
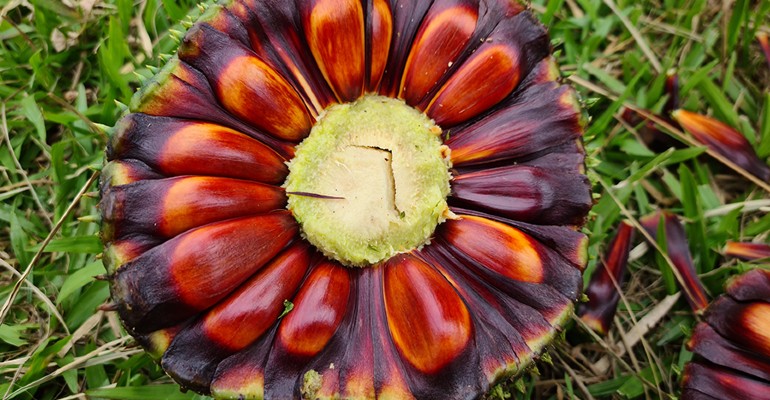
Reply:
x=370, y=181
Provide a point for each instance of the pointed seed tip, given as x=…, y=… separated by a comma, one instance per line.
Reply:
x=102, y=127
x=107, y=307
x=90, y=218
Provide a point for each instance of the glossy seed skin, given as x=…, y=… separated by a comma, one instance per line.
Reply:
x=445, y=32
x=173, y=147
x=530, y=193
x=177, y=279
x=518, y=130
x=427, y=338
x=233, y=324
x=245, y=85
x=334, y=31
x=168, y=207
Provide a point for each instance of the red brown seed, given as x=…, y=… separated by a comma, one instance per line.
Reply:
x=335, y=34
x=679, y=252
x=747, y=325
x=603, y=289
x=181, y=147
x=379, y=35
x=723, y=383
x=436, y=327
x=530, y=194
x=168, y=207
x=191, y=272
x=520, y=129
x=236, y=322
x=747, y=251
x=318, y=310
x=501, y=248
x=245, y=85
x=708, y=344
x=443, y=35
x=752, y=285
x=724, y=140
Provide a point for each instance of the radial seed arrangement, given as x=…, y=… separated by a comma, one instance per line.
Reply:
x=349, y=198
x=732, y=345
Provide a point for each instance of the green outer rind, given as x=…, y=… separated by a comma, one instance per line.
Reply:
x=202, y=14
x=152, y=85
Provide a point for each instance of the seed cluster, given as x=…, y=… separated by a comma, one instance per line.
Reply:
x=210, y=271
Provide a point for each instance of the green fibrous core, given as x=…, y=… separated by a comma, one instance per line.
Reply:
x=370, y=181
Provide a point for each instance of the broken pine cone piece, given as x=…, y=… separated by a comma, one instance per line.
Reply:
x=732, y=345
x=352, y=199
x=670, y=227
x=724, y=140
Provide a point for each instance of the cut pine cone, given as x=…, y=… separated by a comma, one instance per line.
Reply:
x=732, y=345
x=352, y=199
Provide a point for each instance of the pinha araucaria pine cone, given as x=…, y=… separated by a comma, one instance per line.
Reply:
x=349, y=198
x=732, y=345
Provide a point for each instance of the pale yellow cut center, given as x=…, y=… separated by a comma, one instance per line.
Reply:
x=370, y=181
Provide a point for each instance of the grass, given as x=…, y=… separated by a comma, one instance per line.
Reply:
x=67, y=68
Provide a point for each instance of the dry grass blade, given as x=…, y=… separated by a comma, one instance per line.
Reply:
x=106, y=352
x=39, y=253
x=48, y=303
x=87, y=326
x=640, y=329
x=612, y=351
x=577, y=379
x=637, y=36
x=676, y=133
x=20, y=169
x=744, y=206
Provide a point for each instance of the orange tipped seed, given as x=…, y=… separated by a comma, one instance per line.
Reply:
x=253, y=91
x=335, y=34
x=442, y=37
x=747, y=251
x=381, y=26
x=318, y=310
x=499, y=247
x=251, y=310
x=724, y=140
x=436, y=327
x=486, y=78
